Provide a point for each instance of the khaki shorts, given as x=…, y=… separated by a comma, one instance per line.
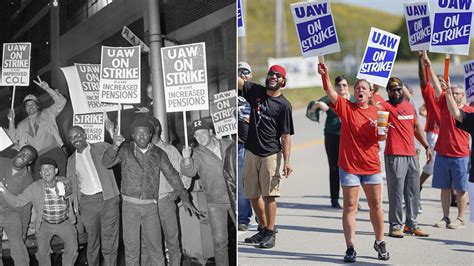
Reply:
x=262, y=175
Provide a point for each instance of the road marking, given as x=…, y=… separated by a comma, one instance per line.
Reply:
x=308, y=144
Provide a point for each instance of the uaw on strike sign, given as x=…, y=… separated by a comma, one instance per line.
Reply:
x=379, y=57
x=16, y=64
x=223, y=113
x=315, y=27
x=120, y=75
x=417, y=16
x=451, y=26
x=185, y=77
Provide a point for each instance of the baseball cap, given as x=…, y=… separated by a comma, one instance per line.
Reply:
x=200, y=124
x=244, y=65
x=394, y=82
x=48, y=160
x=279, y=69
x=30, y=97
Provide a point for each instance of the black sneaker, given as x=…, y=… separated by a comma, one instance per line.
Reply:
x=381, y=250
x=351, y=255
x=268, y=240
x=275, y=229
x=257, y=238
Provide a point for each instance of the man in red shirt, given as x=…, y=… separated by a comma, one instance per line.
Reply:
x=429, y=82
x=401, y=163
x=451, y=168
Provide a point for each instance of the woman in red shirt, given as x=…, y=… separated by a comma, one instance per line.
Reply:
x=359, y=162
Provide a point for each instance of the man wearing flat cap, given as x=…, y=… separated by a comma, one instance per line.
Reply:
x=401, y=163
x=141, y=163
x=268, y=140
x=208, y=161
x=51, y=198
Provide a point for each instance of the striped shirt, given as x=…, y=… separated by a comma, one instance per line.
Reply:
x=55, y=208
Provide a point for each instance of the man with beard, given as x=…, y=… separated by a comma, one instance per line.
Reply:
x=268, y=140
x=208, y=162
x=401, y=164
x=14, y=221
x=96, y=198
x=141, y=163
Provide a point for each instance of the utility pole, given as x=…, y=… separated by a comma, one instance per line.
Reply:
x=278, y=27
x=159, y=109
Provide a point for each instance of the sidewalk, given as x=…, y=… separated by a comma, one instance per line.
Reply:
x=310, y=232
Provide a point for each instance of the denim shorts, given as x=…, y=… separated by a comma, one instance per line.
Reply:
x=352, y=180
x=451, y=172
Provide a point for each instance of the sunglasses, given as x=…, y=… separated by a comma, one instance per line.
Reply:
x=244, y=72
x=395, y=90
x=278, y=75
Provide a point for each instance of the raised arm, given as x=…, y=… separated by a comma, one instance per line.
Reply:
x=452, y=106
x=58, y=98
x=327, y=85
x=431, y=76
x=111, y=155
x=421, y=70
x=240, y=83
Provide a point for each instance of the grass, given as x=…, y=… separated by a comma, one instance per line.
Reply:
x=299, y=98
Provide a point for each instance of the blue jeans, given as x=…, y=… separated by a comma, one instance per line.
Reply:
x=11, y=224
x=141, y=221
x=245, y=207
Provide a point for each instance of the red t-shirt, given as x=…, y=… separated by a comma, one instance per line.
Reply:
x=377, y=99
x=358, y=146
x=401, y=136
x=432, y=109
x=452, y=141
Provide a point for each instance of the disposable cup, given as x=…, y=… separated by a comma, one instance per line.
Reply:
x=382, y=121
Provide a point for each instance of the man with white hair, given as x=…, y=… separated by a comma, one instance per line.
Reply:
x=464, y=121
x=451, y=166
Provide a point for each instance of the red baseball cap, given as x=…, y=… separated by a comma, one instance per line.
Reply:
x=279, y=69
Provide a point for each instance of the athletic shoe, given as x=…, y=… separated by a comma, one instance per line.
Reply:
x=396, y=232
x=257, y=238
x=443, y=222
x=351, y=255
x=268, y=240
x=242, y=227
x=416, y=232
x=259, y=228
x=381, y=250
x=457, y=224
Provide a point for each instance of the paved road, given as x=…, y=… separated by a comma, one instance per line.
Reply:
x=310, y=232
